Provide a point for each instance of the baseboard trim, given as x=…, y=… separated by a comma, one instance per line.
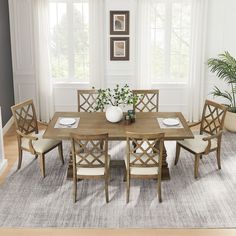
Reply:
x=3, y=165
x=8, y=125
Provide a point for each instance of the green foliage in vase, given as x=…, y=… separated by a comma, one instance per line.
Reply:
x=225, y=68
x=115, y=97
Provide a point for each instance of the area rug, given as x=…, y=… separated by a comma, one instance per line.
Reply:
x=27, y=200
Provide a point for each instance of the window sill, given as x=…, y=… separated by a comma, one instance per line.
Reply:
x=170, y=82
x=170, y=85
x=71, y=84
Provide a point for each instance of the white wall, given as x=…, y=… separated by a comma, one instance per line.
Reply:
x=3, y=161
x=220, y=36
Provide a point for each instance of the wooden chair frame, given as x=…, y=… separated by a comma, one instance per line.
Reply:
x=86, y=95
x=155, y=145
x=26, y=123
x=91, y=146
x=152, y=97
x=212, y=123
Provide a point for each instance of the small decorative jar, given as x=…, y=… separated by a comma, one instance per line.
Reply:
x=132, y=116
x=127, y=120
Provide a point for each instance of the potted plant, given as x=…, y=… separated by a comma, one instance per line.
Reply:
x=225, y=68
x=113, y=99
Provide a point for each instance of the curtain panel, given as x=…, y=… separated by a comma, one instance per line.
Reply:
x=42, y=60
x=197, y=60
x=196, y=68
x=44, y=82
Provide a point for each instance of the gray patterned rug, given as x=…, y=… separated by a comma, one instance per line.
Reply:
x=27, y=200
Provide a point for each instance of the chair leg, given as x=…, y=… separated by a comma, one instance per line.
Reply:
x=218, y=158
x=60, y=151
x=128, y=187
x=42, y=164
x=106, y=187
x=75, y=188
x=19, y=158
x=125, y=175
x=196, y=165
x=177, y=153
x=159, y=188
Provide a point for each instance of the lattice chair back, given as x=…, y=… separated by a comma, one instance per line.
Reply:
x=93, y=150
x=213, y=117
x=148, y=100
x=25, y=117
x=87, y=100
x=145, y=150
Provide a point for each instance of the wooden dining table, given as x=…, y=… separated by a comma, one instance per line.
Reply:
x=145, y=122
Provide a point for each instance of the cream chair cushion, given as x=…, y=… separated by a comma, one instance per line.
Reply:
x=41, y=145
x=93, y=171
x=197, y=145
x=142, y=170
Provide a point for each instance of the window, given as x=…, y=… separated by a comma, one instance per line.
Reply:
x=69, y=32
x=170, y=40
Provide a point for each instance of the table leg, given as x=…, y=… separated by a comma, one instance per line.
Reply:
x=165, y=168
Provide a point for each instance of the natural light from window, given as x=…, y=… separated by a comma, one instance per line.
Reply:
x=170, y=40
x=69, y=35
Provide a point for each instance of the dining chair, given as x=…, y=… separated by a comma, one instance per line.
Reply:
x=93, y=162
x=148, y=100
x=144, y=161
x=209, y=138
x=87, y=100
x=28, y=136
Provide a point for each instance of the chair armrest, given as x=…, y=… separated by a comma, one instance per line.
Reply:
x=213, y=136
x=42, y=123
x=195, y=124
x=209, y=138
x=30, y=137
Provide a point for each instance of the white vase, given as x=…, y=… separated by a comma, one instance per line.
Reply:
x=114, y=114
x=230, y=121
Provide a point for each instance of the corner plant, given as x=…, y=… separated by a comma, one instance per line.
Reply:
x=117, y=96
x=225, y=68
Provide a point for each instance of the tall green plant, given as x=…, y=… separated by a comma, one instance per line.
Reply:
x=225, y=68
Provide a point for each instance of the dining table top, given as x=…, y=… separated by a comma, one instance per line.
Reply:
x=96, y=123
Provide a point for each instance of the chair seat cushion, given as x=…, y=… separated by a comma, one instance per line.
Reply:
x=92, y=171
x=41, y=145
x=197, y=145
x=142, y=170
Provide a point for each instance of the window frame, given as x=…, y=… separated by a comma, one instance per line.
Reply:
x=71, y=55
x=168, y=31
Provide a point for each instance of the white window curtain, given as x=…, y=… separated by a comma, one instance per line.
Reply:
x=197, y=60
x=195, y=82
x=96, y=42
x=143, y=47
x=44, y=80
x=42, y=60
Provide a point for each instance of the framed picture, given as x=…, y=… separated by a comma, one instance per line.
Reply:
x=119, y=48
x=119, y=22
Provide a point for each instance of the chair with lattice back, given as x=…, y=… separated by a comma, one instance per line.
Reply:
x=144, y=159
x=209, y=138
x=28, y=136
x=93, y=162
x=87, y=100
x=148, y=100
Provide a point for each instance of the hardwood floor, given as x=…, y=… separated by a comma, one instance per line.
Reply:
x=10, y=146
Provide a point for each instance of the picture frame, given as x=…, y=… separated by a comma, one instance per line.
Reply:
x=119, y=22
x=119, y=48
